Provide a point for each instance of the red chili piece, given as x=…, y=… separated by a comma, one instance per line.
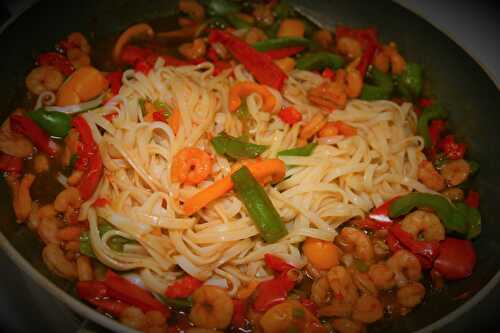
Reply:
x=309, y=305
x=91, y=289
x=381, y=213
x=290, y=115
x=159, y=116
x=183, y=287
x=277, y=264
x=284, y=52
x=114, y=308
x=115, y=81
x=472, y=199
x=435, y=129
x=456, y=259
x=27, y=127
x=89, y=158
x=9, y=163
x=452, y=149
x=101, y=202
x=425, y=251
x=272, y=292
x=368, y=39
x=425, y=102
x=57, y=60
x=328, y=73
x=239, y=313
x=221, y=65
x=260, y=65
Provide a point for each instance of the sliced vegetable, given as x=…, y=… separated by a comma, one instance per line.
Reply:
x=411, y=81
x=258, y=64
x=425, y=249
x=290, y=115
x=233, y=147
x=472, y=199
x=9, y=163
x=284, y=52
x=272, y=292
x=367, y=37
x=27, y=127
x=112, y=307
x=319, y=61
x=276, y=263
x=452, y=149
x=280, y=43
x=381, y=213
x=239, y=313
x=258, y=205
x=456, y=260
x=381, y=88
x=56, y=124
x=436, y=127
x=459, y=218
x=115, y=81
x=183, y=287
x=435, y=111
x=57, y=60
x=306, y=150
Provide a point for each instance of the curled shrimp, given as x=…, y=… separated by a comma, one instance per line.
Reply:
x=13, y=143
x=354, y=83
x=455, y=172
x=21, y=201
x=382, y=276
x=78, y=40
x=83, y=85
x=425, y=223
x=193, y=9
x=137, y=30
x=78, y=58
x=349, y=47
x=429, y=176
x=390, y=57
x=343, y=325
x=320, y=291
x=212, y=308
x=47, y=230
x=282, y=318
x=368, y=309
x=194, y=50
x=191, y=166
x=342, y=285
x=405, y=266
x=67, y=199
x=356, y=241
x=44, y=78
x=364, y=283
x=41, y=163
x=411, y=294
x=56, y=262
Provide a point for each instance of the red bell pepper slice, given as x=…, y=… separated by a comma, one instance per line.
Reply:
x=239, y=313
x=260, y=65
x=159, y=116
x=115, y=81
x=452, y=149
x=393, y=243
x=113, y=307
x=89, y=158
x=425, y=102
x=124, y=290
x=272, y=292
x=309, y=305
x=472, y=199
x=57, y=60
x=284, y=52
x=381, y=213
x=132, y=54
x=101, y=202
x=277, y=264
x=173, y=61
x=88, y=290
x=290, y=115
x=212, y=55
x=424, y=249
x=456, y=259
x=366, y=59
x=27, y=127
x=9, y=163
x=368, y=38
x=143, y=66
x=328, y=73
x=436, y=127
x=221, y=65
x=183, y=287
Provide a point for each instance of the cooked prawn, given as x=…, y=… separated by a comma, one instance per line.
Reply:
x=429, y=176
x=47, y=230
x=320, y=291
x=67, y=198
x=368, y=309
x=405, y=266
x=56, y=262
x=13, y=143
x=329, y=95
x=411, y=294
x=78, y=58
x=349, y=47
x=44, y=78
x=424, y=223
x=191, y=166
x=263, y=13
x=21, y=201
x=356, y=241
x=194, y=50
x=84, y=268
x=455, y=172
x=41, y=163
x=282, y=318
x=390, y=57
x=137, y=30
x=212, y=308
x=78, y=40
x=255, y=35
x=343, y=325
x=382, y=276
x=342, y=285
x=313, y=126
x=364, y=282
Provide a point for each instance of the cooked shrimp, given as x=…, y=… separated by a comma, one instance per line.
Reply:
x=411, y=295
x=78, y=40
x=357, y=242
x=254, y=35
x=349, y=47
x=47, y=211
x=313, y=126
x=67, y=198
x=193, y=9
x=13, y=143
x=381, y=62
x=368, y=309
x=342, y=284
x=71, y=142
x=44, y=78
x=364, y=283
x=382, y=276
x=78, y=58
x=354, y=83
x=47, y=230
x=320, y=291
x=41, y=163
x=191, y=166
x=212, y=308
x=21, y=201
x=330, y=95
x=454, y=193
x=390, y=57
x=430, y=177
x=343, y=325
x=83, y=85
x=405, y=266
x=424, y=223
x=133, y=317
x=137, y=30
x=330, y=129
x=56, y=262
x=337, y=308
x=84, y=268
x=282, y=318
x=455, y=172
x=194, y=50
x=323, y=38
x=75, y=177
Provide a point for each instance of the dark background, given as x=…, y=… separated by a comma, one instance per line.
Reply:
x=24, y=307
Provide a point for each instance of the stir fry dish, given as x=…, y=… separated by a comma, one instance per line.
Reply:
x=247, y=171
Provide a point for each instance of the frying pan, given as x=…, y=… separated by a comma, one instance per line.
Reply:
x=457, y=80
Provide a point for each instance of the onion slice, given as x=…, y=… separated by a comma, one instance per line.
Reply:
x=77, y=108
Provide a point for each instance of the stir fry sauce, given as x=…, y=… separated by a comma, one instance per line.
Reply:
x=381, y=264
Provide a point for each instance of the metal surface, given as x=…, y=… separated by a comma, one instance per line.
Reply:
x=460, y=83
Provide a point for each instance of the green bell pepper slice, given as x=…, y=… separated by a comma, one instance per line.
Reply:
x=280, y=43
x=459, y=218
x=411, y=81
x=320, y=60
x=235, y=148
x=259, y=206
x=381, y=88
x=56, y=124
x=435, y=111
x=306, y=150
